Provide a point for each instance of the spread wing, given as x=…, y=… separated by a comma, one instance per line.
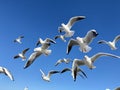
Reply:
x=32, y=58
x=71, y=43
x=74, y=19
x=52, y=72
x=50, y=40
x=102, y=42
x=94, y=57
x=17, y=56
x=24, y=51
x=116, y=38
x=65, y=69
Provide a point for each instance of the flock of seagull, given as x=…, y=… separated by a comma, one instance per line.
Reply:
x=42, y=47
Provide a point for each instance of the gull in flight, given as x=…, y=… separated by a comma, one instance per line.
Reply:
x=64, y=60
x=37, y=52
x=82, y=42
x=110, y=43
x=47, y=40
x=88, y=61
x=6, y=72
x=22, y=54
x=19, y=39
x=62, y=37
x=47, y=77
x=66, y=28
x=26, y=88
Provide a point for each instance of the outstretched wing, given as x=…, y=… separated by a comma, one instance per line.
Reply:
x=17, y=56
x=50, y=40
x=74, y=19
x=32, y=58
x=116, y=38
x=65, y=69
x=102, y=42
x=52, y=72
x=24, y=51
x=71, y=43
x=94, y=57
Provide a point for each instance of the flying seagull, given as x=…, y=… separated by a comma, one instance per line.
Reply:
x=19, y=39
x=82, y=42
x=88, y=61
x=64, y=60
x=37, y=52
x=110, y=43
x=22, y=54
x=66, y=28
x=47, y=40
x=26, y=88
x=6, y=72
x=47, y=77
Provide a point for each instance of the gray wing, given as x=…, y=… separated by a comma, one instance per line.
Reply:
x=71, y=43
x=89, y=36
x=65, y=69
x=8, y=73
x=38, y=42
x=24, y=51
x=82, y=72
x=94, y=57
x=74, y=19
x=17, y=56
x=50, y=40
x=58, y=62
x=52, y=72
x=116, y=38
x=32, y=58
x=79, y=62
x=21, y=37
x=102, y=42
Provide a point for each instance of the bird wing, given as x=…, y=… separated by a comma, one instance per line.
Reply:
x=32, y=58
x=82, y=72
x=65, y=69
x=21, y=37
x=94, y=57
x=73, y=20
x=58, y=62
x=71, y=43
x=7, y=72
x=24, y=51
x=42, y=72
x=17, y=56
x=50, y=40
x=52, y=72
x=102, y=42
x=79, y=62
x=89, y=36
x=116, y=38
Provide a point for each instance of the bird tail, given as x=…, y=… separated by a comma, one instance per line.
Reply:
x=47, y=52
x=70, y=34
x=85, y=49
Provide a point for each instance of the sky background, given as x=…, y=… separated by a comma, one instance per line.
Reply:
x=40, y=19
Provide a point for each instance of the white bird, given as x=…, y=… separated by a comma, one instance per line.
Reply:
x=22, y=54
x=66, y=28
x=64, y=60
x=6, y=72
x=19, y=39
x=110, y=43
x=82, y=42
x=47, y=77
x=88, y=61
x=62, y=37
x=37, y=52
x=47, y=40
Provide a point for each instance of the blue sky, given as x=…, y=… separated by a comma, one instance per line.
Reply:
x=40, y=19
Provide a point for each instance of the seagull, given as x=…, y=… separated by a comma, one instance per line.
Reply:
x=82, y=42
x=47, y=40
x=66, y=28
x=64, y=60
x=6, y=72
x=62, y=37
x=19, y=39
x=37, y=52
x=22, y=54
x=88, y=61
x=110, y=43
x=47, y=77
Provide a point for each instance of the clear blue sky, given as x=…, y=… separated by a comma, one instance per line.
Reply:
x=41, y=18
